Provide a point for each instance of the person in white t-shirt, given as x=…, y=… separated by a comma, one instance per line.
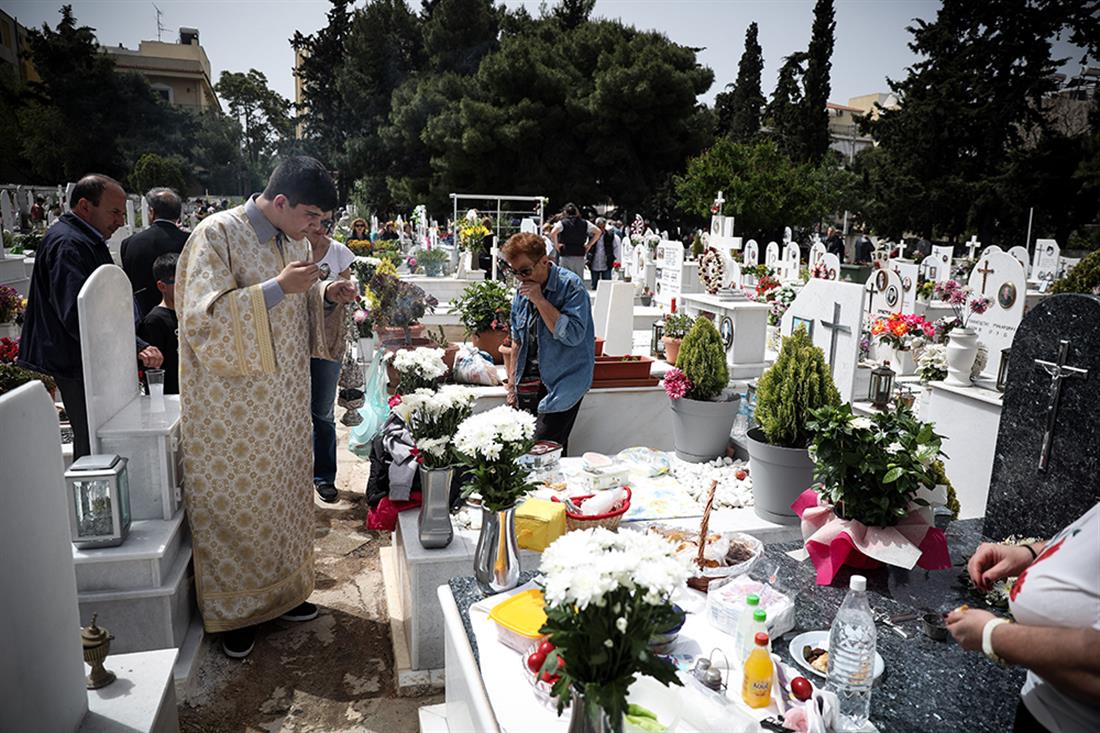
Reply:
x=335, y=261
x=1056, y=634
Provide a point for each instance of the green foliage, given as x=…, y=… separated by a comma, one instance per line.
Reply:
x=153, y=170
x=431, y=257
x=606, y=673
x=871, y=468
x=502, y=482
x=1083, y=278
x=264, y=114
x=938, y=473
x=12, y=376
x=702, y=359
x=678, y=324
x=815, y=117
x=484, y=306
x=787, y=394
x=970, y=148
x=738, y=110
x=783, y=111
x=764, y=188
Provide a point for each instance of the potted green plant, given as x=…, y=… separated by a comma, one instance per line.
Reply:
x=432, y=260
x=484, y=308
x=787, y=394
x=12, y=308
x=703, y=409
x=677, y=326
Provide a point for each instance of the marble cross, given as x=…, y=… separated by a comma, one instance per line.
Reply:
x=836, y=328
x=985, y=274
x=972, y=245
x=718, y=202
x=901, y=249
x=1057, y=371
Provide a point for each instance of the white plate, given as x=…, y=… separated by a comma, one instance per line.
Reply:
x=820, y=640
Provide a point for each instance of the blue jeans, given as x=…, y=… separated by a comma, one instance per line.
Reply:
x=323, y=375
x=598, y=275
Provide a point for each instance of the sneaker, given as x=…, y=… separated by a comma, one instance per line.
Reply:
x=238, y=643
x=302, y=612
x=328, y=493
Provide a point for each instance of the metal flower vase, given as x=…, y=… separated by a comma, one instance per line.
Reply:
x=496, y=559
x=434, y=523
x=588, y=716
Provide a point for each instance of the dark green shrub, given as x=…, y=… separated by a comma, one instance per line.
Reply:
x=703, y=360
x=484, y=306
x=797, y=384
x=1084, y=278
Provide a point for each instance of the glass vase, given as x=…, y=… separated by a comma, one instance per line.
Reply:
x=496, y=559
x=588, y=716
x=434, y=522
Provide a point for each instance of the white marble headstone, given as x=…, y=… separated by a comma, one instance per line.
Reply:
x=885, y=292
x=792, y=258
x=1020, y=253
x=935, y=269
x=7, y=212
x=131, y=218
x=832, y=266
x=752, y=254
x=771, y=255
x=999, y=277
x=42, y=676
x=815, y=307
x=618, y=327
x=107, y=345
x=68, y=196
x=670, y=263
x=817, y=251
x=787, y=235
x=908, y=272
x=1046, y=262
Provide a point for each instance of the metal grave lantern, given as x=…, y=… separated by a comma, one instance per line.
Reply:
x=99, y=501
x=1002, y=370
x=882, y=385
x=656, y=341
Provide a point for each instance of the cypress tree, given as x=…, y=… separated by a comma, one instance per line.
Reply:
x=815, y=117
x=784, y=111
x=745, y=101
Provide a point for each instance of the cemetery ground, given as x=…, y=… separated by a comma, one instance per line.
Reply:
x=334, y=674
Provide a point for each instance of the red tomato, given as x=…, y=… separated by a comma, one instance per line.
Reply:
x=801, y=688
x=535, y=661
x=545, y=648
x=549, y=678
x=741, y=474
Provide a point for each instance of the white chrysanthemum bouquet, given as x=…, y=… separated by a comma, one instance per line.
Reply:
x=932, y=363
x=419, y=368
x=607, y=594
x=433, y=418
x=489, y=444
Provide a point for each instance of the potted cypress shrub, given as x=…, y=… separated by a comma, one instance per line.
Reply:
x=703, y=409
x=484, y=308
x=787, y=394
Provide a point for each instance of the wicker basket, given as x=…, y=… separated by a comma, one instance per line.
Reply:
x=607, y=521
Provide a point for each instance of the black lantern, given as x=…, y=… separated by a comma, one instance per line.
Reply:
x=882, y=385
x=656, y=341
x=1002, y=370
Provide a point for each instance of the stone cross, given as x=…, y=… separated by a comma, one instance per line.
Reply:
x=836, y=329
x=901, y=249
x=718, y=203
x=1057, y=371
x=973, y=245
x=985, y=274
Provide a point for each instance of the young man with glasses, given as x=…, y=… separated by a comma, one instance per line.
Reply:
x=552, y=355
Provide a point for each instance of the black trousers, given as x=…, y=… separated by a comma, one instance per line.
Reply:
x=1026, y=722
x=72, y=394
x=555, y=426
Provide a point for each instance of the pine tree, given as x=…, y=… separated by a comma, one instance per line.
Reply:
x=739, y=110
x=784, y=119
x=815, y=116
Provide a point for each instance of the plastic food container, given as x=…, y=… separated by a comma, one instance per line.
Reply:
x=519, y=619
x=544, y=455
x=608, y=478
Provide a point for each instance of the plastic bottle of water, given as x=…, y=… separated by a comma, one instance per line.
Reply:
x=744, y=625
x=852, y=656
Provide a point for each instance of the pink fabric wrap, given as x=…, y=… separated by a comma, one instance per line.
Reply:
x=833, y=542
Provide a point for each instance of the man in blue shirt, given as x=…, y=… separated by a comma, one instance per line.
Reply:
x=554, y=339
x=70, y=252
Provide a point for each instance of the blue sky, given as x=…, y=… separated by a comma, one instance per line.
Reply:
x=871, y=40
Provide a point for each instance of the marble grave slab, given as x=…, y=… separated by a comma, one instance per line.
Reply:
x=999, y=277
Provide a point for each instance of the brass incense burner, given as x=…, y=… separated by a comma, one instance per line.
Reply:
x=97, y=645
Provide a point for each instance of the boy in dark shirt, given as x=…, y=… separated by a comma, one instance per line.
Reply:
x=160, y=326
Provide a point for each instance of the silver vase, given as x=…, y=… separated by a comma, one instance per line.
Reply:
x=496, y=559
x=434, y=524
x=588, y=716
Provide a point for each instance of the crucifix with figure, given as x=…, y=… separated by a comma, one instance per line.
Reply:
x=986, y=271
x=836, y=328
x=972, y=245
x=1057, y=371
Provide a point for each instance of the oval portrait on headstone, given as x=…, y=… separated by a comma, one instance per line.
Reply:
x=881, y=279
x=715, y=226
x=726, y=329
x=1006, y=295
x=907, y=283
x=892, y=296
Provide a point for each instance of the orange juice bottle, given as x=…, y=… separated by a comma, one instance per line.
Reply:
x=756, y=690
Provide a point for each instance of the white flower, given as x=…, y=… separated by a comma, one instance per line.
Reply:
x=894, y=448
x=620, y=624
x=608, y=643
x=861, y=422
x=487, y=434
x=424, y=362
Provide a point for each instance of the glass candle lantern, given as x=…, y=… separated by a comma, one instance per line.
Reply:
x=882, y=385
x=99, y=501
x=1002, y=370
x=656, y=341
